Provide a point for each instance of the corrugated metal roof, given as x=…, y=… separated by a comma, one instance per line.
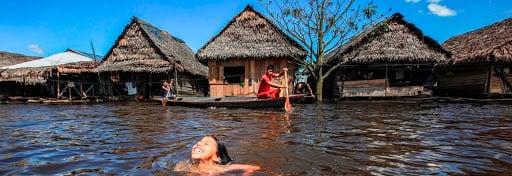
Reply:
x=57, y=59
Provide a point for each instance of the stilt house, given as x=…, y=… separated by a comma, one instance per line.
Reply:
x=143, y=56
x=391, y=59
x=237, y=57
x=10, y=87
x=481, y=63
x=46, y=77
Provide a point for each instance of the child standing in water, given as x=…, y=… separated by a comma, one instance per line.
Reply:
x=166, y=92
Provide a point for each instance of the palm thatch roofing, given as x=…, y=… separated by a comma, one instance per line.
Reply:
x=78, y=67
x=250, y=35
x=394, y=41
x=492, y=43
x=28, y=76
x=7, y=59
x=144, y=48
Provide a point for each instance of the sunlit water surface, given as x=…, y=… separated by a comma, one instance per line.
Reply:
x=347, y=138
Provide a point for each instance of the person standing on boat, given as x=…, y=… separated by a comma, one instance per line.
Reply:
x=267, y=88
x=166, y=92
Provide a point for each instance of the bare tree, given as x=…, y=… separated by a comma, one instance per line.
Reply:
x=321, y=26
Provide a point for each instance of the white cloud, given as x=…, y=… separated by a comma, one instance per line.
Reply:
x=434, y=1
x=36, y=49
x=440, y=10
x=413, y=1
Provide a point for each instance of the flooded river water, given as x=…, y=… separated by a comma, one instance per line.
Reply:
x=347, y=138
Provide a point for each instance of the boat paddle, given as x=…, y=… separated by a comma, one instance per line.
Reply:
x=287, y=104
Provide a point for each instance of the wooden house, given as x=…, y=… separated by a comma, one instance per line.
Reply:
x=75, y=80
x=238, y=56
x=481, y=63
x=391, y=59
x=40, y=77
x=10, y=84
x=143, y=56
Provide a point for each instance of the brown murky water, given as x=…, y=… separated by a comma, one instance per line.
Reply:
x=348, y=138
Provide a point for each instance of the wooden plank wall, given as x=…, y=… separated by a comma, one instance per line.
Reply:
x=363, y=83
x=189, y=86
x=254, y=69
x=407, y=91
x=497, y=86
x=469, y=81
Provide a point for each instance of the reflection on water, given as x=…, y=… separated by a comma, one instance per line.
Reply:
x=348, y=138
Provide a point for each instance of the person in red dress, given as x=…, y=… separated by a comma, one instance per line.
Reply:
x=268, y=89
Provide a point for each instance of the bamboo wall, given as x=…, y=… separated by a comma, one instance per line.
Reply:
x=254, y=69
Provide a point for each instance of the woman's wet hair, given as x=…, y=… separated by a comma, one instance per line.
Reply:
x=222, y=152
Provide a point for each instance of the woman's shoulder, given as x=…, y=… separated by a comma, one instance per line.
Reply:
x=182, y=166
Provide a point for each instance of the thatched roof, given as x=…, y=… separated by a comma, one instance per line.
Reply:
x=78, y=67
x=7, y=59
x=26, y=75
x=144, y=48
x=492, y=43
x=250, y=35
x=393, y=40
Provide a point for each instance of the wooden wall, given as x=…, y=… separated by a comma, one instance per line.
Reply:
x=254, y=69
x=473, y=80
x=462, y=81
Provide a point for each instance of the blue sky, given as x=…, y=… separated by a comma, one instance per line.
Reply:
x=43, y=28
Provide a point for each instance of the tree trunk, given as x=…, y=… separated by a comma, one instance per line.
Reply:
x=319, y=88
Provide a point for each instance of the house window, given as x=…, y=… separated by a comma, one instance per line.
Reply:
x=234, y=74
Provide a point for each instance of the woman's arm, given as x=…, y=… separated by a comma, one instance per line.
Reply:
x=244, y=167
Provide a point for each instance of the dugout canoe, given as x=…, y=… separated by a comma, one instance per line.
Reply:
x=238, y=102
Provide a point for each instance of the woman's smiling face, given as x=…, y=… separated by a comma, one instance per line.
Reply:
x=205, y=150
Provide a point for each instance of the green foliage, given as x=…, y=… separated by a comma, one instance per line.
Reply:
x=370, y=10
x=321, y=27
x=379, y=29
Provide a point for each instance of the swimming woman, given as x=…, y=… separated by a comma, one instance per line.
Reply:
x=210, y=156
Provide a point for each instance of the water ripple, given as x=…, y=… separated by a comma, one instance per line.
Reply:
x=346, y=138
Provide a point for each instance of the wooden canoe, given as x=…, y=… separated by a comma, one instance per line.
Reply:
x=238, y=102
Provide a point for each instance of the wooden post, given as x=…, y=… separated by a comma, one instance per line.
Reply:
x=58, y=85
x=69, y=92
x=82, y=93
x=175, y=87
x=488, y=80
x=386, y=82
